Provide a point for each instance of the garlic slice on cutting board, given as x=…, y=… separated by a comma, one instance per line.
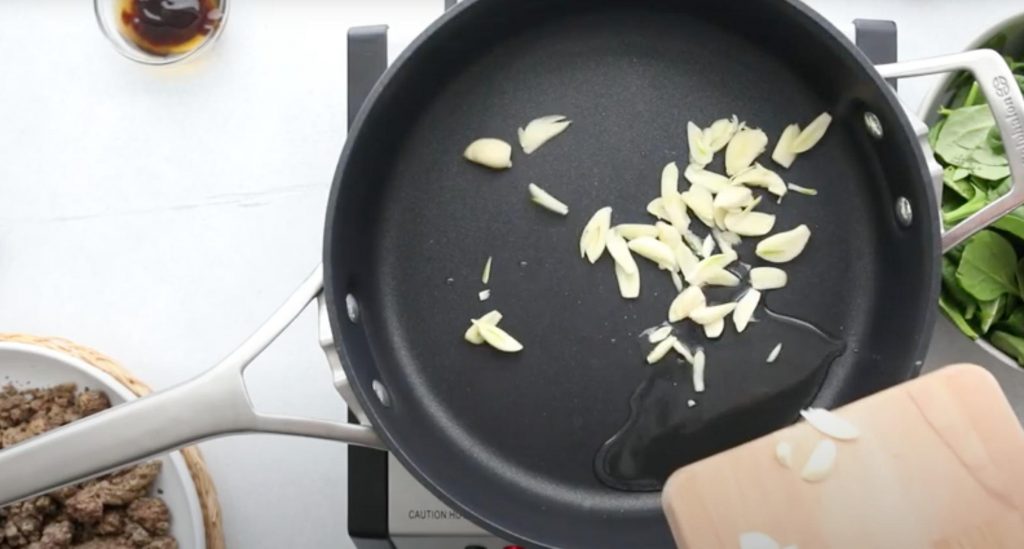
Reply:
x=759, y=176
x=541, y=130
x=546, y=201
x=710, y=314
x=745, y=307
x=830, y=423
x=743, y=150
x=629, y=283
x=772, y=356
x=821, y=462
x=490, y=152
x=592, y=241
x=629, y=231
x=720, y=132
x=654, y=250
x=715, y=329
x=711, y=181
x=785, y=246
x=660, y=334
x=486, y=276
x=619, y=251
x=473, y=333
x=750, y=223
x=700, y=153
x=661, y=349
x=686, y=302
x=702, y=203
x=783, y=154
x=698, y=370
x=767, y=278
x=498, y=338
x=733, y=197
x=812, y=134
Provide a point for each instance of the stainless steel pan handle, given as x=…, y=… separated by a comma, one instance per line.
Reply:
x=214, y=404
x=1004, y=98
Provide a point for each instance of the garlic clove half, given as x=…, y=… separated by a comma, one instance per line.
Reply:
x=490, y=152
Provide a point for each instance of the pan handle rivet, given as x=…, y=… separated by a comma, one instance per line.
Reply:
x=904, y=212
x=873, y=124
x=381, y=392
x=352, y=307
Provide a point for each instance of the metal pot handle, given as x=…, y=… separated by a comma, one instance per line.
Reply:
x=1004, y=98
x=215, y=403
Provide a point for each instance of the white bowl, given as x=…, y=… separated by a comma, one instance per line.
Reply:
x=27, y=366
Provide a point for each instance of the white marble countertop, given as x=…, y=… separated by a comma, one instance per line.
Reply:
x=160, y=214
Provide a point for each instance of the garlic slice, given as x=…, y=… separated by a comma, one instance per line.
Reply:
x=710, y=314
x=669, y=180
x=701, y=203
x=750, y=223
x=698, y=371
x=802, y=190
x=685, y=259
x=654, y=250
x=743, y=150
x=659, y=334
x=821, y=462
x=784, y=453
x=759, y=176
x=767, y=278
x=783, y=154
x=592, y=242
x=620, y=252
x=486, y=277
x=675, y=211
x=686, y=302
x=745, y=309
x=498, y=338
x=629, y=283
x=784, y=246
x=700, y=154
x=708, y=266
x=724, y=243
x=723, y=277
x=683, y=351
x=660, y=350
x=718, y=135
x=484, y=295
x=657, y=209
x=629, y=231
x=774, y=354
x=541, y=130
x=708, y=247
x=757, y=540
x=676, y=280
x=715, y=329
x=473, y=334
x=711, y=181
x=719, y=219
x=812, y=134
x=490, y=152
x=733, y=197
x=545, y=200
x=830, y=423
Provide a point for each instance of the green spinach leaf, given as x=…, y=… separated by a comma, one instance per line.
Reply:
x=958, y=319
x=965, y=129
x=978, y=201
x=989, y=312
x=988, y=268
x=957, y=184
x=1009, y=344
x=1013, y=324
x=1012, y=223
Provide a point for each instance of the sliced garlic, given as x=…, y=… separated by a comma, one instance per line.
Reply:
x=629, y=231
x=711, y=181
x=724, y=243
x=750, y=223
x=490, y=152
x=745, y=309
x=498, y=338
x=830, y=423
x=715, y=329
x=473, y=334
x=691, y=403
x=784, y=246
x=656, y=209
x=774, y=354
x=686, y=302
x=743, y=150
x=685, y=259
x=802, y=190
x=759, y=176
x=722, y=277
x=592, y=242
x=710, y=314
x=676, y=280
x=767, y=278
x=719, y=219
x=545, y=200
x=620, y=252
x=718, y=135
x=821, y=462
x=659, y=334
x=484, y=295
x=813, y=133
x=784, y=453
x=486, y=277
x=698, y=371
x=655, y=250
x=629, y=283
x=757, y=540
x=783, y=154
x=683, y=351
x=708, y=267
x=675, y=211
x=541, y=130
x=733, y=197
x=701, y=203
x=669, y=180
x=661, y=349
x=707, y=249
x=700, y=154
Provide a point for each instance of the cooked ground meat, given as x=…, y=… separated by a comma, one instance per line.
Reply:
x=109, y=512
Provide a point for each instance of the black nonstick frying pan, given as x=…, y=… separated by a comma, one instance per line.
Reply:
x=520, y=443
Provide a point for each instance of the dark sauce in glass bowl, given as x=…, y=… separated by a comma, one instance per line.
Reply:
x=168, y=27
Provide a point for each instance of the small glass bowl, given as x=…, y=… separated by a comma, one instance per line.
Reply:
x=108, y=15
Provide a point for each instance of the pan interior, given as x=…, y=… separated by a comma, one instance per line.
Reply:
x=511, y=439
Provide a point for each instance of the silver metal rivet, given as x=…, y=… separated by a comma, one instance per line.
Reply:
x=904, y=212
x=873, y=124
x=382, y=393
x=352, y=306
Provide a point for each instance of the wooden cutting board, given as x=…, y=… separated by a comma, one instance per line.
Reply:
x=939, y=464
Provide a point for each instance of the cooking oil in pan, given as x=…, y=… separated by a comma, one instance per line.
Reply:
x=671, y=425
